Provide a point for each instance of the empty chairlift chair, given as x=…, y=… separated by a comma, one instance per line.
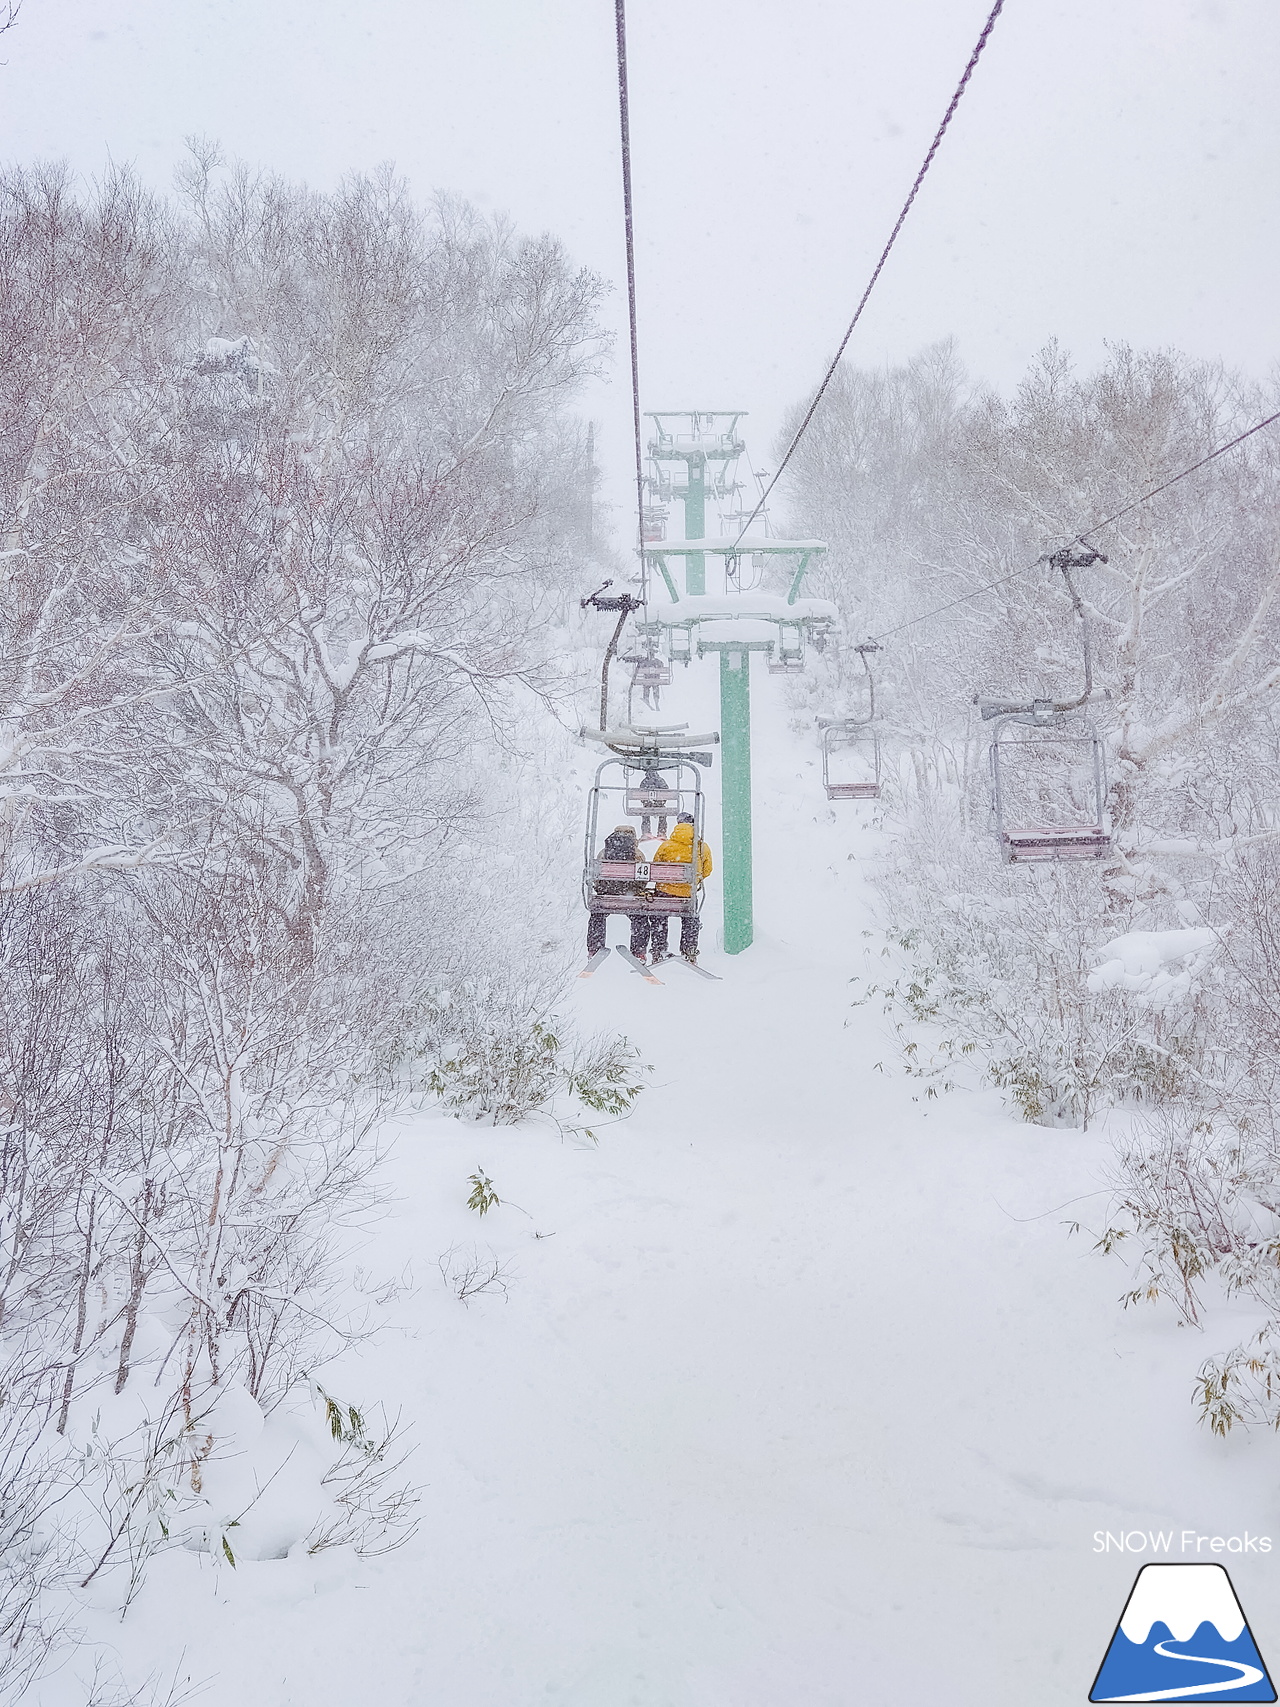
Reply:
x=856, y=751
x=1049, y=789
x=1048, y=774
x=851, y=746
x=787, y=656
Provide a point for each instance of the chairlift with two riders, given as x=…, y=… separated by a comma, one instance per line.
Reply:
x=651, y=773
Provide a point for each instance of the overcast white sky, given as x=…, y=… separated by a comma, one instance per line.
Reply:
x=1113, y=172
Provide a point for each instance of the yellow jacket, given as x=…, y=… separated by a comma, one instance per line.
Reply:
x=678, y=850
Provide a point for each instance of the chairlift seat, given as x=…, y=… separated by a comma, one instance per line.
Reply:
x=642, y=871
x=853, y=791
x=625, y=871
x=642, y=904
x=647, y=802
x=1045, y=842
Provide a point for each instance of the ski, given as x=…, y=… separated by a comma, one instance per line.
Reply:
x=679, y=959
x=596, y=961
x=636, y=965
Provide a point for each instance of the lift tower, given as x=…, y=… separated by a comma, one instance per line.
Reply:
x=690, y=456
x=691, y=621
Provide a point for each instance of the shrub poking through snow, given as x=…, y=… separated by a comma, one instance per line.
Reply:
x=497, y=1058
x=468, y=1275
x=483, y=1197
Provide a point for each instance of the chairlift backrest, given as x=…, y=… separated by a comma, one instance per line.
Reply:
x=642, y=802
x=643, y=871
x=858, y=776
x=1048, y=791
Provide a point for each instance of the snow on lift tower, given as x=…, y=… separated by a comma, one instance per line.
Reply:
x=858, y=742
x=1049, y=779
x=690, y=456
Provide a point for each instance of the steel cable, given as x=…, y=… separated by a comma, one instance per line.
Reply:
x=624, y=121
x=879, y=266
x=1080, y=538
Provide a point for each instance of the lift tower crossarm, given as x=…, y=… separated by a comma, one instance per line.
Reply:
x=705, y=442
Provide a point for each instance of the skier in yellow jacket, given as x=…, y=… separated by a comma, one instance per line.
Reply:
x=678, y=850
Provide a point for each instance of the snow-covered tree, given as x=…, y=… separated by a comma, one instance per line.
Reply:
x=289, y=502
x=1146, y=980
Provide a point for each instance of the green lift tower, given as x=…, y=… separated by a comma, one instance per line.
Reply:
x=691, y=456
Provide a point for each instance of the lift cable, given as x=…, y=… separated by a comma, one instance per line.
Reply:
x=624, y=603
x=1173, y=481
x=624, y=121
x=879, y=266
x=1080, y=538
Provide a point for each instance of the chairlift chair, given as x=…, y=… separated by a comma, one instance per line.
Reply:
x=854, y=736
x=1048, y=777
x=650, y=673
x=632, y=784
x=1065, y=820
x=787, y=657
x=653, y=523
x=851, y=737
x=679, y=645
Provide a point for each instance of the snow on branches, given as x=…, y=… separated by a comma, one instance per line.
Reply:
x=1145, y=981
x=287, y=507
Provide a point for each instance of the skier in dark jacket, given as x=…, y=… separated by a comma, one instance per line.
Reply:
x=619, y=844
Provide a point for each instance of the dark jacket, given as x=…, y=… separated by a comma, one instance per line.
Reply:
x=619, y=844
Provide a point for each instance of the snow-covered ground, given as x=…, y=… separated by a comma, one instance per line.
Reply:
x=807, y=1395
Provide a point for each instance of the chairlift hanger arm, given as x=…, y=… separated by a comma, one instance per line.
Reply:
x=624, y=604
x=1043, y=712
x=1066, y=560
x=862, y=651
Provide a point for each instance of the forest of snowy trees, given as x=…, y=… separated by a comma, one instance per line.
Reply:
x=291, y=504
x=295, y=515
x=1149, y=982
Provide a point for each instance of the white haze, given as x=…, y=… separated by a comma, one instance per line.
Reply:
x=1111, y=175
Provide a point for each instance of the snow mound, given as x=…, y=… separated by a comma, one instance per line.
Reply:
x=1156, y=967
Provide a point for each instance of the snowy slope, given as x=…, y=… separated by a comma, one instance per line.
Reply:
x=808, y=1397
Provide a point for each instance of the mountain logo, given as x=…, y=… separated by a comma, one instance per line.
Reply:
x=1182, y=1636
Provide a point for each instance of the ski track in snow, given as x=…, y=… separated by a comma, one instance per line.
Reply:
x=790, y=1406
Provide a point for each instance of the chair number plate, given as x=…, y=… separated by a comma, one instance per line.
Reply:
x=642, y=870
